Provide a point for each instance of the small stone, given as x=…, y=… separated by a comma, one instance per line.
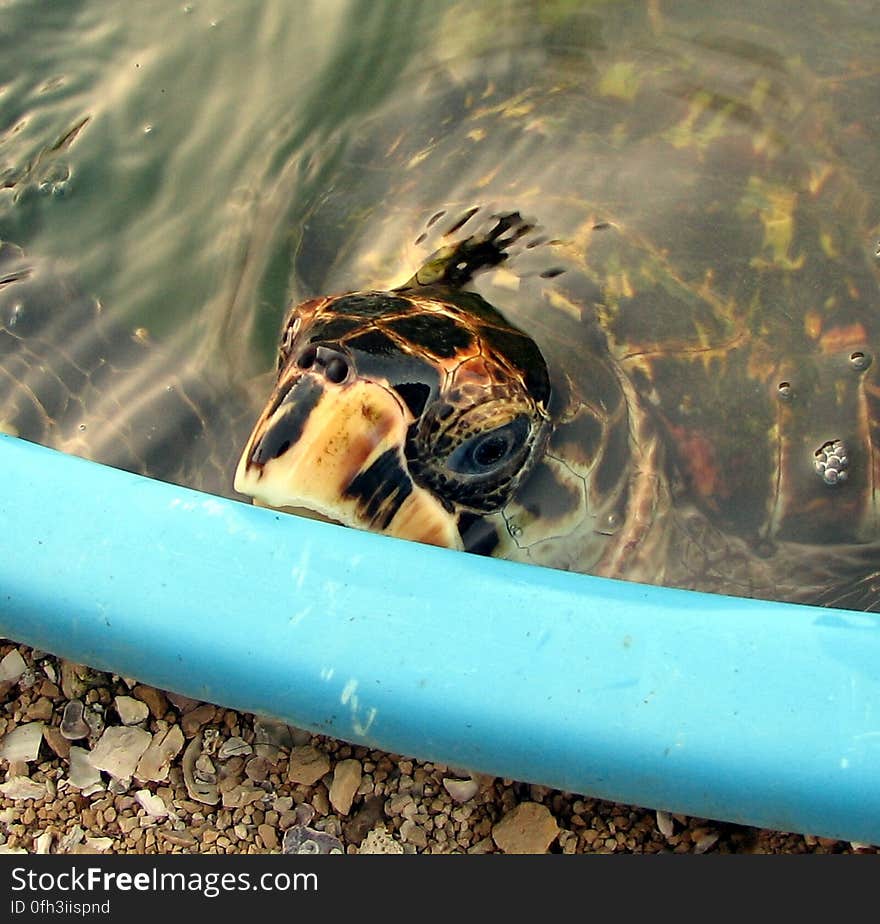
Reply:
x=22, y=743
x=179, y=838
x=204, y=769
x=485, y=845
x=96, y=844
x=413, y=834
x=664, y=824
x=346, y=779
x=181, y=702
x=155, y=699
x=234, y=747
x=461, y=790
x=12, y=666
x=120, y=749
x=705, y=841
x=257, y=769
x=268, y=835
x=302, y=840
x=152, y=804
x=307, y=765
x=83, y=773
x=199, y=790
x=73, y=684
x=40, y=710
x=17, y=768
x=239, y=796
x=43, y=842
x=94, y=718
x=299, y=736
x=22, y=787
x=127, y=823
x=270, y=737
x=304, y=814
x=131, y=711
x=49, y=690
x=364, y=819
x=156, y=760
x=380, y=841
x=193, y=720
x=73, y=725
x=529, y=828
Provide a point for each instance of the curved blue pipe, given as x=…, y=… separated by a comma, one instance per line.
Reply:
x=760, y=713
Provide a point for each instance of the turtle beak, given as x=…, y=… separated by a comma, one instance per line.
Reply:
x=337, y=449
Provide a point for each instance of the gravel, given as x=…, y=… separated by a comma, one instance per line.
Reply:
x=179, y=776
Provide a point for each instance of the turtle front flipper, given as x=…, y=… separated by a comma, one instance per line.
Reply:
x=455, y=264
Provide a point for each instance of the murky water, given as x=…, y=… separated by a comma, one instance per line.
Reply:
x=192, y=167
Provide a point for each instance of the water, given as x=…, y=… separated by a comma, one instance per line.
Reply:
x=192, y=167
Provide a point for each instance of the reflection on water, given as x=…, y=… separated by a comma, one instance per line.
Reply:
x=705, y=179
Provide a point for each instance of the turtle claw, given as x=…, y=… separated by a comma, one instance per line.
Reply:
x=455, y=265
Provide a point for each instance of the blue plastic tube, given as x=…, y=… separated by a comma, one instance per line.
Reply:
x=759, y=713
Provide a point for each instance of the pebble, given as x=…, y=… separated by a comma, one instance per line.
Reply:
x=346, y=779
x=155, y=700
x=241, y=795
x=257, y=769
x=461, y=790
x=83, y=773
x=270, y=737
x=302, y=840
x=268, y=835
x=193, y=720
x=40, y=710
x=180, y=838
x=664, y=824
x=380, y=841
x=96, y=844
x=528, y=828
x=73, y=684
x=155, y=762
x=59, y=744
x=307, y=765
x=234, y=747
x=364, y=820
x=199, y=790
x=73, y=725
x=705, y=842
x=22, y=743
x=43, y=842
x=12, y=666
x=119, y=750
x=22, y=787
x=131, y=711
x=413, y=833
x=181, y=702
x=152, y=804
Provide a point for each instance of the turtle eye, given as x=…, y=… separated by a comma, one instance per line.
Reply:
x=487, y=452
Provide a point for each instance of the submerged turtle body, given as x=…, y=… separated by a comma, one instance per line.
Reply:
x=697, y=402
x=608, y=311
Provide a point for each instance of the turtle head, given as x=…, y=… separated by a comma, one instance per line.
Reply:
x=410, y=413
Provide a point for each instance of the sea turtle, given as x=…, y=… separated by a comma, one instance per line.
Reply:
x=619, y=320
x=666, y=373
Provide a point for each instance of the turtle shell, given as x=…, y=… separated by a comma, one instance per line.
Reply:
x=697, y=274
